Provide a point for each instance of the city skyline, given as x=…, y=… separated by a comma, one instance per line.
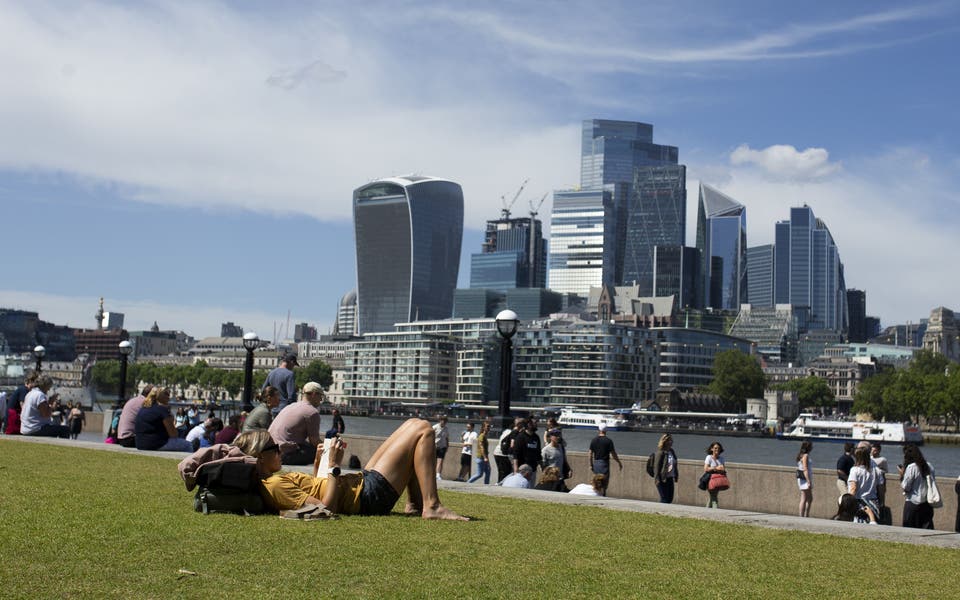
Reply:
x=194, y=192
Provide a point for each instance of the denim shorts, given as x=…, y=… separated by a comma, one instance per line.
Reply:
x=377, y=496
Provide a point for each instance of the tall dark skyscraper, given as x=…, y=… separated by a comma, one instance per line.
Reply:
x=408, y=232
x=514, y=255
x=722, y=242
x=676, y=272
x=646, y=207
x=857, y=310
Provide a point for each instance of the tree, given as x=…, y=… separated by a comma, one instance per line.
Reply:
x=869, y=398
x=736, y=377
x=318, y=371
x=106, y=376
x=811, y=391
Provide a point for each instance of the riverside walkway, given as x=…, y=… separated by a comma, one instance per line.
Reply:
x=942, y=539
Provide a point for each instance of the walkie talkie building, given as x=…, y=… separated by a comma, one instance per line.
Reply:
x=408, y=232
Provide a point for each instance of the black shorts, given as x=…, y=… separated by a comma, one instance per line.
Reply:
x=377, y=496
x=441, y=452
x=465, y=460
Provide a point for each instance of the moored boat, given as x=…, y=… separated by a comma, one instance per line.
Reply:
x=809, y=427
x=590, y=420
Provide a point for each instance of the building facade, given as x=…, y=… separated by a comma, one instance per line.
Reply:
x=809, y=272
x=514, y=255
x=676, y=273
x=722, y=242
x=408, y=232
x=760, y=275
x=857, y=315
x=655, y=216
x=583, y=240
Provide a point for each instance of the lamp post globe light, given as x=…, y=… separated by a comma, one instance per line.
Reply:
x=125, y=348
x=38, y=352
x=251, y=342
x=507, y=323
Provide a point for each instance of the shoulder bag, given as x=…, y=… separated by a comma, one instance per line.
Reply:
x=933, y=494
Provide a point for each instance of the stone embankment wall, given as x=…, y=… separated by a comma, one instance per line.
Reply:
x=760, y=488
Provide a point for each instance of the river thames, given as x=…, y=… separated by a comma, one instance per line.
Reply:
x=765, y=451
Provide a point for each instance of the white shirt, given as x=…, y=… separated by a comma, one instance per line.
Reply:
x=515, y=480
x=469, y=438
x=584, y=489
x=30, y=419
x=196, y=433
x=866, y=479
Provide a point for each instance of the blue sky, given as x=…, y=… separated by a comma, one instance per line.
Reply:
x=193, y=162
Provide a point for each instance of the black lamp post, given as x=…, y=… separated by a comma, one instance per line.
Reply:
x=38, y=352
x=251, y=342
x=126, y=348
x=507, y=323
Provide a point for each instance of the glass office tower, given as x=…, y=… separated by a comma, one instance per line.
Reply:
x=722, y=242
x=582, y=240
x=650, y=197
x=408, y=233
x=514, y=255
x=656, y=215
x=808, y=260
x=760, y=281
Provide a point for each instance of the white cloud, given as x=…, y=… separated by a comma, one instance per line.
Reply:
x=200, y=105
x=783, y=161
x=139, y=315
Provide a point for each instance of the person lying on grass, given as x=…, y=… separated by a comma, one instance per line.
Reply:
x=405, y=460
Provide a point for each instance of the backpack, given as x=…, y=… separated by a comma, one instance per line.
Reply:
x=650, y=469
x=229, y=487
x=505, y=443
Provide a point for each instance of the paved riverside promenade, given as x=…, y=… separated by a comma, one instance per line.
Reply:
x=942, y=539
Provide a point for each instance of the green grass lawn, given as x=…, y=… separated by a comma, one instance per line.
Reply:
x=83, y=523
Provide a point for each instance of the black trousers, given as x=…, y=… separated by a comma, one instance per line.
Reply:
x=504, y=466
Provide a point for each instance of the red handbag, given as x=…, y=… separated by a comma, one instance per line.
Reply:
x=718, y=482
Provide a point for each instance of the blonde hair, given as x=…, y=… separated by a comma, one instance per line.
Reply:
x=599, y=482
x=663, y=440
x=252, y=442
x=154, y=396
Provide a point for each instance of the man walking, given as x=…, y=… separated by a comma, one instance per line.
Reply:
x=467, y=439
x=526, y=447
x=601, y=449
x=283, y=379
x=553, y=454
x=504, y=450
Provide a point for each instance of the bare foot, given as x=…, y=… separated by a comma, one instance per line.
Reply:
x=443, y=513
x=412, y=510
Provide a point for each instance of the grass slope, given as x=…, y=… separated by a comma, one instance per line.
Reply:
x=88, y=524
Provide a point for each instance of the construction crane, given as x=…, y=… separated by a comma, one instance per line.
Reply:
x=505, y=211
x=534, y=209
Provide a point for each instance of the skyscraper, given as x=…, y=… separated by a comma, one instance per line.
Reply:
x=722, y=242
x=408, y=233
x=582, y=240
x=676, y=272
x=656, y=215
x=760, y=280
x=514, y=255
x=646, y=205
x=857, y=311
x=808, y=259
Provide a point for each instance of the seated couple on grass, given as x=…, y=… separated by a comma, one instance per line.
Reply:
x=405, y=460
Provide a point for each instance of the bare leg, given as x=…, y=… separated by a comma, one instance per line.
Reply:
x=806, y=500
x=407, y=459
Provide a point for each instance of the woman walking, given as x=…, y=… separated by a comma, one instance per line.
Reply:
x=805, y=478
x=714, y=464
x=76, y=419
x=917, y=512
x=665, y=471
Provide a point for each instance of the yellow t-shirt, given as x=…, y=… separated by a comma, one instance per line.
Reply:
x=285, y=491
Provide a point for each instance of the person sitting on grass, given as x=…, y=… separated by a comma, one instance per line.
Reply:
x=550, y=481
x=596, y=487
x=405, y=460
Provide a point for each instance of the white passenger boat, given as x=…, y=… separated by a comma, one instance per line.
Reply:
x=810, y=427
x=590, y=420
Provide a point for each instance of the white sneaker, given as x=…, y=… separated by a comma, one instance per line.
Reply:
x=439, y=478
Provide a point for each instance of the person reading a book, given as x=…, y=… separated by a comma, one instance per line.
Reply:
x=405, y=461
